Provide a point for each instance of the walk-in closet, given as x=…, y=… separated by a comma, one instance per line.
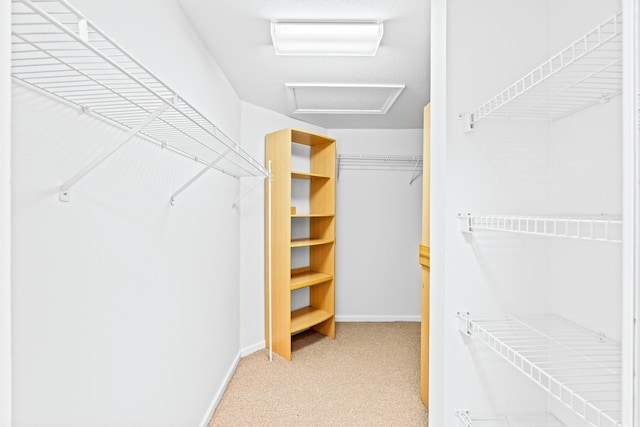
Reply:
x=136, y=195
x=336, y=213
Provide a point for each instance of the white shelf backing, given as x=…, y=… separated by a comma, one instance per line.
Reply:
x=578, y=367
x=520, y=420
x=586, y=72
x=597, y=228
x=388, y=162
x=57, y=50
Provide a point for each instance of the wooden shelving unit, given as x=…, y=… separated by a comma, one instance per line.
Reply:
x=318, y=276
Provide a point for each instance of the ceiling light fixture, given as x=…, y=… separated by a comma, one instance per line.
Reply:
x=314, y=38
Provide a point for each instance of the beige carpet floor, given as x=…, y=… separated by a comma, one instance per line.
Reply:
x=368, y=376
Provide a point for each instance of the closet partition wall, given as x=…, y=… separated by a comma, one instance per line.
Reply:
x=537, y=268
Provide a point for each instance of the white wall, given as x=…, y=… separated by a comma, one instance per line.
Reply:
x=125, y=310
x=5, y=216
x=499, y=168
x=256, y=123
x=378, y=230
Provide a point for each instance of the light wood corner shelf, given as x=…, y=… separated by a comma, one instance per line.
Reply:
x=318, y=275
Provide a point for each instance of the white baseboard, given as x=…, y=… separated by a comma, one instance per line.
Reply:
x=252, y=348
x=375, y=318
x=218, y=396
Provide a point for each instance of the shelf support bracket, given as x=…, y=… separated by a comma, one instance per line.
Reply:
x=465, y=222
x=66, y=186
x=338, y=169
x=235, y=202
x=198, y=175
x=467, y=123
x=464, y=324
x=415, y=176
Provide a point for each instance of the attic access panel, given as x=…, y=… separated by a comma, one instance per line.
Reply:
x=311, y=98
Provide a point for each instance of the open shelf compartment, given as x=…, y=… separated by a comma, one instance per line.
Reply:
x=578, y=367
x=584, y=73
x=58, y=51
x=517, y=420
x=600, y=228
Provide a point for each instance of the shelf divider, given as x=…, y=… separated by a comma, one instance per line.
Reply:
x=304, y=277
x=308, y=175
x=298, y=243
x=307, y=317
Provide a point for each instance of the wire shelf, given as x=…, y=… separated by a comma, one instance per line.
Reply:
x=378, y=162
x=57, y=50
x=519, y=420
x=600, y=228
x=388, y=162
x=587, y=72
x=578, y=367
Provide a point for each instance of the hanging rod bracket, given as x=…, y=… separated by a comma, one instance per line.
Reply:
x=66, y=186
x=198, y=175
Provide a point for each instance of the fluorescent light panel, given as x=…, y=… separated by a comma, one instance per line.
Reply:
x=340, y=38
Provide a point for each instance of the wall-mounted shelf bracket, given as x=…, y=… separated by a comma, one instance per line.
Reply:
x=198, y=175
x=464, y=222
x=415, y=173
x=464, y=324
x=466, y=122
x=66, y=186
x=235, y=202
x=463, y=416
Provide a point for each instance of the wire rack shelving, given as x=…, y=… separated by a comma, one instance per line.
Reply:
x=576, y=366
x=468, y=419
x=587, y=72
x=58, y=51
x=384, y=162
x=597, y=228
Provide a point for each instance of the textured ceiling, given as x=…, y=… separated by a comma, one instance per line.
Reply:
x=238, y=35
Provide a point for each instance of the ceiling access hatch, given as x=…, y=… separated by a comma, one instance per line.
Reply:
x=314, y=98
